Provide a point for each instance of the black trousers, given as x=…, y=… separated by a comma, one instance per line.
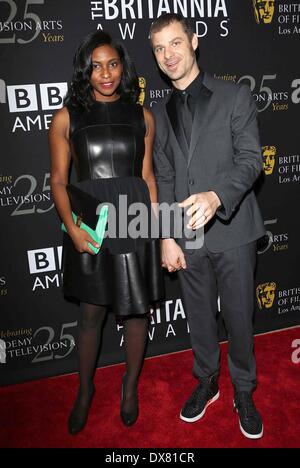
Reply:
x=231, y=275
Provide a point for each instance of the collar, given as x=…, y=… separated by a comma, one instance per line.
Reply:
x=194, y=87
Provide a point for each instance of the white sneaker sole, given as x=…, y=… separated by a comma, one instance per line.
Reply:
x=196, y=418
x=252, y=436
x=246, y=434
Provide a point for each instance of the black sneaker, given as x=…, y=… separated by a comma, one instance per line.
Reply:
x=250, y=420
x=206, y=393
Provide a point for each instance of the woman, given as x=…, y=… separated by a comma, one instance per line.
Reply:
x=109, y=138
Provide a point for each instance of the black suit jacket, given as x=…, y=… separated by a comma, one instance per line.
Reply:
x=224, y=156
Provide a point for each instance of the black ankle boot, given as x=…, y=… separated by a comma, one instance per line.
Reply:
x=78, y=418
x=128, y=418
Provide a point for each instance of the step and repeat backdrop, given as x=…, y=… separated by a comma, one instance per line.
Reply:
x=250, y=41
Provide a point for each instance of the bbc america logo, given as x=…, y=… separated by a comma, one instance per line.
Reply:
x=31, y=97
x=44, y=260
x=40, y=99
x=45, y=265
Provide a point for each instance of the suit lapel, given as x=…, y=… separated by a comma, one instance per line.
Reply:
x=199, y=118
x=176, y=126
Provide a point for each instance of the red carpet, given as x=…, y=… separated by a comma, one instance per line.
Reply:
x=35, y=414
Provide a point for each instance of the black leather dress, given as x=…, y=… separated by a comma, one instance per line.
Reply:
x=107, y=146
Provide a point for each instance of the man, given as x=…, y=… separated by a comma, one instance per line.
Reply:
x=207, y=156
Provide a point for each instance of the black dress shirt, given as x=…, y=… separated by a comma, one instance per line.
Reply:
x=193, y=90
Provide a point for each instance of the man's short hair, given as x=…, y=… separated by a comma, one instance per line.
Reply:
x=168, y=18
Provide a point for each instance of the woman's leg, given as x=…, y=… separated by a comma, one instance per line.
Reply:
x=91, y=322
x=135, y=336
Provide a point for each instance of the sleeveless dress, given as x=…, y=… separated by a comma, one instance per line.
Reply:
x=107, y=147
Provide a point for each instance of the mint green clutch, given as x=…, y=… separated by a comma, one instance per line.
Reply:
x=98, y=233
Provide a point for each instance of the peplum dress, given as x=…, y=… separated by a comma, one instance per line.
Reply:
x=107, y=149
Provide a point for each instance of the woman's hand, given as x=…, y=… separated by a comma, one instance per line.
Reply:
x=172, y=256
x=80, y=240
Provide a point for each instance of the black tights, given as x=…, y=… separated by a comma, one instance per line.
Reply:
x=91, y=322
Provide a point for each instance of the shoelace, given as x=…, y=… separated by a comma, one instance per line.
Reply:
x=245, y=403
x=199, y=393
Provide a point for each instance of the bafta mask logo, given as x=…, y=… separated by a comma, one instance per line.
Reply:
x=265, y=294
x=142, y=85
x=269, y=154
x=264, y=11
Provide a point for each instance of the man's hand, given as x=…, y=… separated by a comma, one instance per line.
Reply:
x=172, y=255
x=203, y=209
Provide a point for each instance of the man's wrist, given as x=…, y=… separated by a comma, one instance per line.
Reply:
x=217, y=199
